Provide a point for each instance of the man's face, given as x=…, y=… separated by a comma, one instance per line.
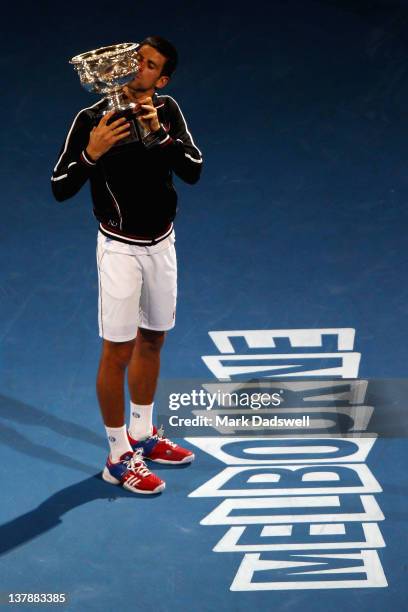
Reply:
x=151, y=64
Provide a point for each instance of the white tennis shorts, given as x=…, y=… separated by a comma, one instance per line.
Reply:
x=137, y=287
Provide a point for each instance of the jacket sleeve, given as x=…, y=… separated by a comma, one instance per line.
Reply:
x=74, y=166
x=182, y=154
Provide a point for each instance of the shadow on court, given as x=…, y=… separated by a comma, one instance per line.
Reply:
x=14, y=410
x=49, y=514
x=23, y=414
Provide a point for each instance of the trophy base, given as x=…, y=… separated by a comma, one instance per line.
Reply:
x=137, y=132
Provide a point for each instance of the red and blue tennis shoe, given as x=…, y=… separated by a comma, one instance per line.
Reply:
x=133, y=474
x=162, y=450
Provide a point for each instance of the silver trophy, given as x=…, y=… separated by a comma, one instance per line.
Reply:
x=106, y=71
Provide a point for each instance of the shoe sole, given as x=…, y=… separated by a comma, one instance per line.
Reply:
x=187, y=459
x=107, y=476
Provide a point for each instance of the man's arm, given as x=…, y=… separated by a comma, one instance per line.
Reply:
x=83, y=146
x=179, y=149
x=178, y=145
x=74, y=166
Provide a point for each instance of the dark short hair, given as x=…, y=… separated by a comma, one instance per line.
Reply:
x=166, y=48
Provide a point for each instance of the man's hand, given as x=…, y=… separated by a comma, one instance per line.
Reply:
x=103, y=136
x=148, y=116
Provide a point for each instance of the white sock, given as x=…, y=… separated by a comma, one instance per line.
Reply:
x=140, y=426
x=118, y=442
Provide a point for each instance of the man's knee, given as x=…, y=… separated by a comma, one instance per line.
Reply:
x=118, y=353
x=150, y=340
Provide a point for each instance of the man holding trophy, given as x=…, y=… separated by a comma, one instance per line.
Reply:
x=128, y=145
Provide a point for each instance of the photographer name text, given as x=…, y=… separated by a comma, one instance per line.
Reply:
x=254, y=420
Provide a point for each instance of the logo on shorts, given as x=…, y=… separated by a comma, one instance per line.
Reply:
x=111, y=439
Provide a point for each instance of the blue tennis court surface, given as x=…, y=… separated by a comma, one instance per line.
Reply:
x=298, y=223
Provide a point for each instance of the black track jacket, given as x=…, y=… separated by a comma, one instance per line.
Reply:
x=132, y=188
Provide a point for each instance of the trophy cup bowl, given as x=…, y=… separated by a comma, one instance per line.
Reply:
x=106, y=70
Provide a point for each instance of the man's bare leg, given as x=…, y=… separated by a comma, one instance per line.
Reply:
x=143, y=374
x=110, y=383
x=144, y=366
x=142, y=358
x=123, y=466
